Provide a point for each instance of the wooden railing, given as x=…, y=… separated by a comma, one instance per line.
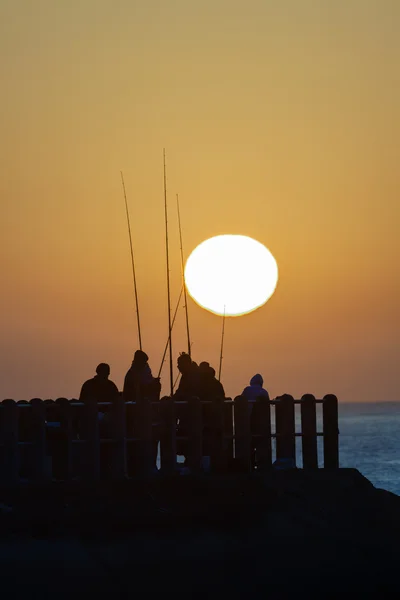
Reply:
x=68, y=440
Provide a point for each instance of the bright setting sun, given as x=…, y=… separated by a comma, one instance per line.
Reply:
x=231, y=274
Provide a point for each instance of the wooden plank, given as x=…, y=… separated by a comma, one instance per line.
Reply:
x=261, y=432
x=309, y=432
x=242, y=434
x=229, y=446
x=219, y=461
x=9, y=426
x=41, y=462
x=168, y=435
x=195, y=434
x=118, y=430
x=285, y=428
x=144, y=457
x=92, y=439
x=331, y=431
x=63, y=468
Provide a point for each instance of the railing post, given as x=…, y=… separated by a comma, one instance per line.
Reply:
x=285, y=428
x=64, y=444
x=144, y=460
x=331, y=431
x=10, y=441
x=228, y=433
x=242, y=434
x=40, y=470
x=195, y=433
x=261, y=428
x=118, y=431
x=309, y=432
x=218, y=456
x=168, y=435
x=92, y=439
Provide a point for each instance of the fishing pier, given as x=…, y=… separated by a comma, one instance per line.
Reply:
x=66, y=440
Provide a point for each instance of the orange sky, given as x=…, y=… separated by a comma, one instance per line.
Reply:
x=281, y=122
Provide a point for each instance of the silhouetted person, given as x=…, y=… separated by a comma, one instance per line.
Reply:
x=255, y=389
x=209, y=384
x=141, y=386
x=252, y=392
x=189, y=382
x=210, y=391
x=188, y=387
x=100, y=387
x=139, y=381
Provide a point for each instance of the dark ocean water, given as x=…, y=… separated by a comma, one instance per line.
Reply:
x=369, y=441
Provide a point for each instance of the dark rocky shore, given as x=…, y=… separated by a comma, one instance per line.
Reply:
x=318, y=534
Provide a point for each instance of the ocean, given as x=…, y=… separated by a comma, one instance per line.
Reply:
x=369, y=440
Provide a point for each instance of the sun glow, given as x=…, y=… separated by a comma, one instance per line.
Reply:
x=231, y=273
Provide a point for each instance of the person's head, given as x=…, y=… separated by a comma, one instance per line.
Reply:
x=257, y=380
x=184, y=363
x=140, y=358
x=206, y=371
x=103, y=370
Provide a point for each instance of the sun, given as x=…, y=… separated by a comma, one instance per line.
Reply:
x=231, y=275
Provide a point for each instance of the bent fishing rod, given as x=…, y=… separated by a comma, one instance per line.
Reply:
x=132, y=261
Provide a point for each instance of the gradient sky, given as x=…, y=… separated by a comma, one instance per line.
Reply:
x=281, y=122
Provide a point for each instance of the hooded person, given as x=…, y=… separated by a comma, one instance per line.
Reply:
x=139, y=381
x=189, y=386
x=210, y=387
x=252, y=392
x=139, y=384
x=211, y=390
x=255, y=389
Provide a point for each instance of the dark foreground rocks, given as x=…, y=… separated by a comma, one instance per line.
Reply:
x=314, y=534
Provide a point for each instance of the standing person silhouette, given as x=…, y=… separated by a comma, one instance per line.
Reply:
x=140, y=385
x=139, y=381
x=252, y=392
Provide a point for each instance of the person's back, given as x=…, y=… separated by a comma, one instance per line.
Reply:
x=100, y=387
x=255, y=389
x=252, y=392
x=139, y=381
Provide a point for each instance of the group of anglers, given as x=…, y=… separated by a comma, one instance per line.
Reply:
x=196, y=380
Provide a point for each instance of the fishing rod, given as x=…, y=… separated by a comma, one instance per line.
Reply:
x=169, y=337
x=183, y=279
x=222, y=346
x=171, y=375
x=132, y=261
